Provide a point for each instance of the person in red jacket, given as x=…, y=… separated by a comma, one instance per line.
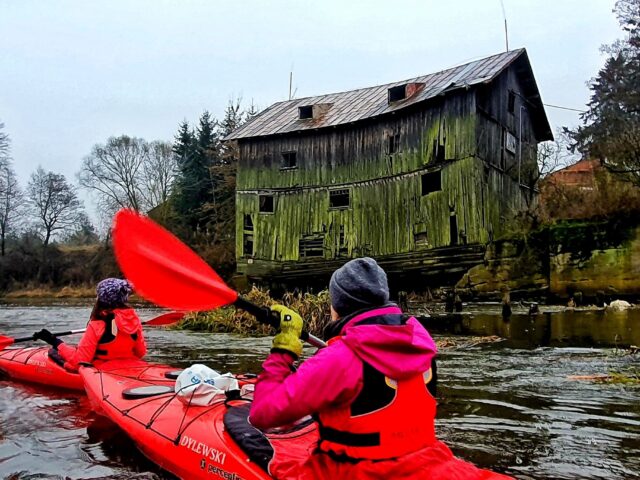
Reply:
x=369, y=390
x=114, y=330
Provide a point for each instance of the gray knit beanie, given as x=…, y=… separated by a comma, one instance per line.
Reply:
x=358, y=284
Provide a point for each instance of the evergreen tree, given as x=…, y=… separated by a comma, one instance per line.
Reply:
x=611, y=125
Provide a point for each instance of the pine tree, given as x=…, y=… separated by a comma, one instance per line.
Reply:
x=611, y=125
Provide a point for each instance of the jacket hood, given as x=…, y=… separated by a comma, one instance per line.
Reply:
x=127, y=320
x=394, y=347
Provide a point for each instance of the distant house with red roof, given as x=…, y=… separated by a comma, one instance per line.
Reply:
x=581, y=174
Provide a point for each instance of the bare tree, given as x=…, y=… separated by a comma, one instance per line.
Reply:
x=158, y=175
x=4, y=143
x=11, y=202
x=115, y=171
x=55, y=204
x=128, y=172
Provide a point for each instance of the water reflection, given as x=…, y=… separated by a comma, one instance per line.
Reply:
x=575, y=328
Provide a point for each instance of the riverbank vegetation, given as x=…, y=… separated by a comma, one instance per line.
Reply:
x=314, y=308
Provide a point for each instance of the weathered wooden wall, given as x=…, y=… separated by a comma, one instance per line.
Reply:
x=388, y=213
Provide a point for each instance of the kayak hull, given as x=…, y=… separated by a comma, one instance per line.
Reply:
x=33, y=365
x=189, y=441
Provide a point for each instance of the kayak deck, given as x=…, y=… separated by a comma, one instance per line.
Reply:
x=187, y=440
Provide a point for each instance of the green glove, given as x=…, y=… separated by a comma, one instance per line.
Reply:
x=290, y=329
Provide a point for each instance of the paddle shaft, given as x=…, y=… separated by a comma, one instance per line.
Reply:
x=57, y=334
x=264, y=315
x=164, y=319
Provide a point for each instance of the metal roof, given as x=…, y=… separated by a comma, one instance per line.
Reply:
x=364, y=103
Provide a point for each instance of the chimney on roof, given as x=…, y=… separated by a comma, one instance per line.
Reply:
x=404, y=91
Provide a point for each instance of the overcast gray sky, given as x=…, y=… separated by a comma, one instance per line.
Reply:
x=73, y=73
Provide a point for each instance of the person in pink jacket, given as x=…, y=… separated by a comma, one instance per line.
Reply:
x=114, y=330
x=372, y=390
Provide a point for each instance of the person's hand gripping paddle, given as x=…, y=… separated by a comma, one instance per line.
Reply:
x=166, y=272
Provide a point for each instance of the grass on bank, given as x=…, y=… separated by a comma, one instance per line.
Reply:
x=43, y=292
x=314, y=309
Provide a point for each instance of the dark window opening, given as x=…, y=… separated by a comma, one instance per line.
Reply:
x=512, y=102
x=305, y=112
x=266, y=204
x=431, y=182
x=311, y=246
x=342, y=242
x=266, y=159
x=248, y=222
x=339, y=198
x=453, y=229
x=397, y=93
x=393, y=144
x=247, y=245
x=421, y=238
x=289, y=160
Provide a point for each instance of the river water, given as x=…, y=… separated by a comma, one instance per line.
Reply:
x=507, y=405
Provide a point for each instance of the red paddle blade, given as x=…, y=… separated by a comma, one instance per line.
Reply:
x=163, y=269
x=165, y=319
x=5, y=341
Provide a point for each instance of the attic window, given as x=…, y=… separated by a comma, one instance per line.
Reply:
x=397, y=93
x=305, y=112
x=512, y=101
x=339, y=198
x=266, y=204
x=289, y=160
x=431, y=182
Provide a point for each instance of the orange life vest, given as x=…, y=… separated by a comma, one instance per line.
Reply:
x=402, y=426
x=114, y=343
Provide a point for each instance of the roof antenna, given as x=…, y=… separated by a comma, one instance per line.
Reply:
x=290, y=81
x=506, y=31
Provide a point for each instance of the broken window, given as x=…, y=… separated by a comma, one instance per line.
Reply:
x=512, y=102
x=431, y=182
x=421, y=238
x=289, y=160
x=266, y=204
x=339, y=198
x=311, y=246
x=393, y=143
x=305, y=112
x=247, y=245
x=248, y=223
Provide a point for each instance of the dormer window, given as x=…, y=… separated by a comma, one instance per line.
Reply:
x=402, y=92
x=397, y=93
x=305, y=112
x=317, y=110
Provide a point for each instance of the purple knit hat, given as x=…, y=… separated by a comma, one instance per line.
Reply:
x=113, y=292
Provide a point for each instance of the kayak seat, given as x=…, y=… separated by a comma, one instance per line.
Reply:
x=255, y=443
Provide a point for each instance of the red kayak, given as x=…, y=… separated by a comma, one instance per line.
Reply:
x=195, y=442
x=33, y=365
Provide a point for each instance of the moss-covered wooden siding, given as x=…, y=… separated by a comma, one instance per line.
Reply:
x=359, y=152
x=388, y=166
x=386, y=216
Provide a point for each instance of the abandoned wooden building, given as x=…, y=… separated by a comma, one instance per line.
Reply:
x=419, y=174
